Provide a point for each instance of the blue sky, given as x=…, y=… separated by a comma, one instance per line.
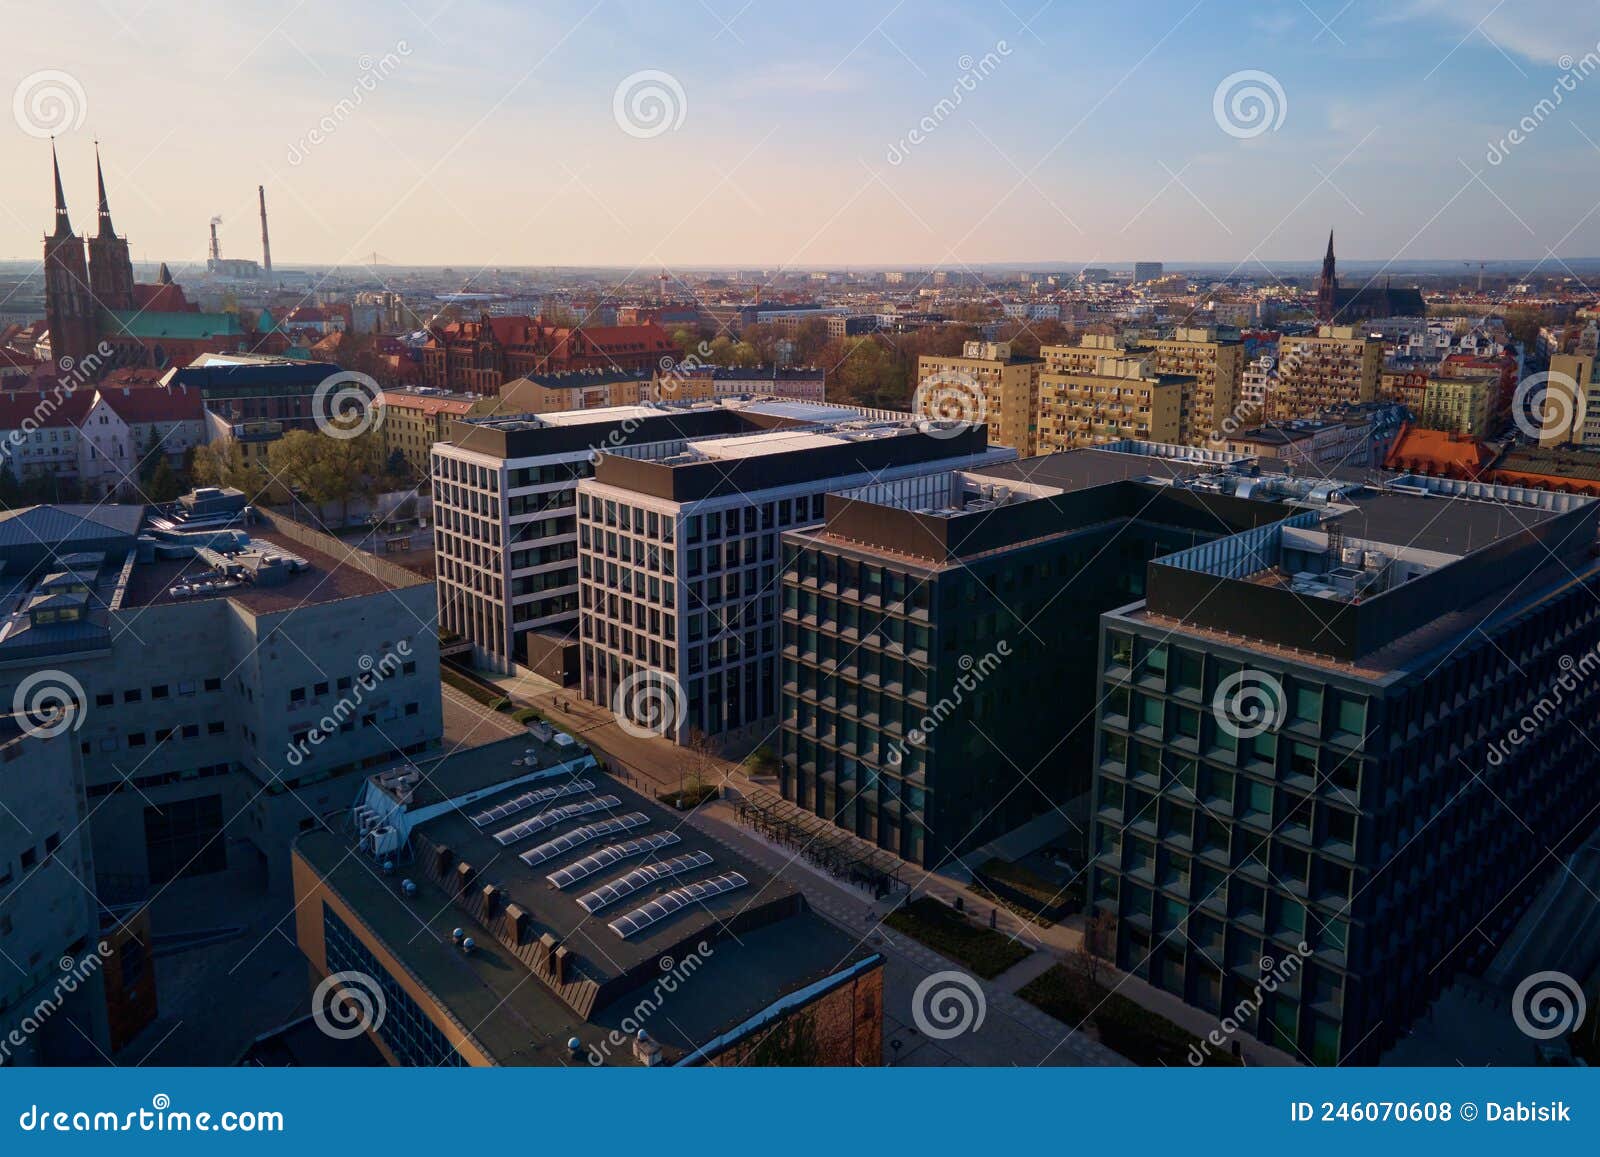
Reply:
x=480, y=133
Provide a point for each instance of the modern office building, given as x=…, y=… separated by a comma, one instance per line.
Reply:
x=234, y=671
x=988, y=384
x=679, y=561
x=1357, y=737
x=505, y=512
x=931, y=624
x=512, y=905
x=1147, y=271
x=1339, y=364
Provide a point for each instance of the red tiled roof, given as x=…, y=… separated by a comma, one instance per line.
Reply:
x=42, y=407
x=177, y=404
x=167, y=298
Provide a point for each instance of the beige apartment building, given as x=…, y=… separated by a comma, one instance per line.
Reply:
x=1571, y=408
x=1102, y=392
x=1008, y=386
x=1339, y=364
x=1216, y=364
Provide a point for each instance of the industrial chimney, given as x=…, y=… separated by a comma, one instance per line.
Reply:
x=266, y=247
x=216, y=249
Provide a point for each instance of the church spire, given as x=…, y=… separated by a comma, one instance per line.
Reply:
x=1329, y=257
x=63, y=222
x=105, y=207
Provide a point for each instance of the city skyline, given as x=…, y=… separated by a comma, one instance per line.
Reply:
x=895, y=142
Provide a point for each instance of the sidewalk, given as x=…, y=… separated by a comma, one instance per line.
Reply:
x=661, y=763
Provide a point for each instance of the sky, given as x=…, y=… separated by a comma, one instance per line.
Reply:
x=872, y=132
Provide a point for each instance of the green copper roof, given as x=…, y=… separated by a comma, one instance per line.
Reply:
x=151, y=325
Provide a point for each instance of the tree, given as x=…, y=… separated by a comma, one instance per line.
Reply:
x=10, y=488
x=323, y=469
x=163, y=484
x=223, y=464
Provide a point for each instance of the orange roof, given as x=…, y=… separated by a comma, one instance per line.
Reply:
x=1437, y=452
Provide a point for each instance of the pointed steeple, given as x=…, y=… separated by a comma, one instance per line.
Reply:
x=63, y=222
x=105, y=207
x=1329, y=257
x=165, y=276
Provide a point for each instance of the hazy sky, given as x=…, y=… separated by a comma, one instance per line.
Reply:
x=474, y=133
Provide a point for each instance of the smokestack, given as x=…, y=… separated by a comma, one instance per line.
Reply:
x=216, y=249
x=266, y=246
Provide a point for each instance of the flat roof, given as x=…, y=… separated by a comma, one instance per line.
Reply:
x=326, y=580
x=750, y=946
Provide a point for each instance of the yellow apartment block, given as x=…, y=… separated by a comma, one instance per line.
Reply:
x=1115, y=395
x=1339, y=364
x=986, y=383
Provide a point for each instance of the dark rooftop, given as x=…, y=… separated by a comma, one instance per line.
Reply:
x=748, y=947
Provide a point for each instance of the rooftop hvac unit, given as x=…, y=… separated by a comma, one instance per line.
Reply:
x=384, y=839
x=1375, y=560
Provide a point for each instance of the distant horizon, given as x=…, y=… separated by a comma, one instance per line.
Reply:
x=1431, y=266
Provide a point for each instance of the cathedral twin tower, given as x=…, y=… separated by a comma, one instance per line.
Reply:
x=78, y=286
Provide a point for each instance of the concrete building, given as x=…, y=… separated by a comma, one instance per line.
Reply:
x=985, y=384
x=1216, y=362
x=1147, y=271
x=1352, y=437
x=46, y=914
x=679, y=560
x=1339, y=364
x=541, y=913
x=235, y=672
